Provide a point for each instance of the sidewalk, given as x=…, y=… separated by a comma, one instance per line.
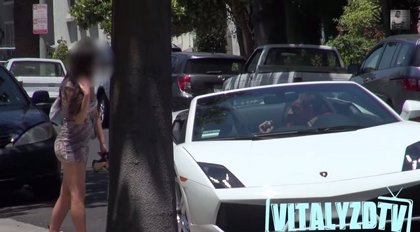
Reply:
x=10, y=225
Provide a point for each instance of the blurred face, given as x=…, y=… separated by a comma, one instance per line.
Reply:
x=397, y=14
x=301, y=110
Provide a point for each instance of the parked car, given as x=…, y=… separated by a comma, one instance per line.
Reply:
x=38, y=74
x=391, y=70
x=194, y=74
x=284, y=63
x=26, y=141
x=320, y=149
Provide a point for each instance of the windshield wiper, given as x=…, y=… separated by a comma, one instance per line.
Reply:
x=250, y=137
x=340, y=128
x=311, y=131
x=288, y=133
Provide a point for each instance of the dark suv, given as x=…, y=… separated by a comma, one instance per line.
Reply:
x=195, y=74
x=392, y=70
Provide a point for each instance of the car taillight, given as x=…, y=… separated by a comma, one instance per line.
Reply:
x=184, y=83
x=412, y=84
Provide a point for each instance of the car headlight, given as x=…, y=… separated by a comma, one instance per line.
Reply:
x=412, y=157
x=38, y=133
x=220, y=176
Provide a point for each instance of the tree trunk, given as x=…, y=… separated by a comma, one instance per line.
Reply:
x=269, y=22
x=243, y=23
x=26, y=43
x=141, y=189
x=385, y=5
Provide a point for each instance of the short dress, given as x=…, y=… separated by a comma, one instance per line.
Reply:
x=72, y=142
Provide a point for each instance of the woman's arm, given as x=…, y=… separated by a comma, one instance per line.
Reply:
x=100, y=134
x=80, y=118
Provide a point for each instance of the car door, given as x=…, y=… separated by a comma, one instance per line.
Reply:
x=367, y=72
x=399, y=76
x=380, y=80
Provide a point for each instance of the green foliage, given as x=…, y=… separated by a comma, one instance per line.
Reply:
x=61, y=52
x=212, y=40
x=180, y=21
x=352, y=48
x=208, y=18
x=92, y=12
x=359, y=29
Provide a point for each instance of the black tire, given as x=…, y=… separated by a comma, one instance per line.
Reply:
x=103, y=109
x=47, y=188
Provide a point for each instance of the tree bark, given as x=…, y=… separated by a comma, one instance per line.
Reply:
x=242, y=18
x=141, y=188
x=268, y=19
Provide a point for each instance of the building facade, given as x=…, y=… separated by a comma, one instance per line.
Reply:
x=17, y=39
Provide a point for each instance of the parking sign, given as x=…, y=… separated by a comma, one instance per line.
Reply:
x=40, y=19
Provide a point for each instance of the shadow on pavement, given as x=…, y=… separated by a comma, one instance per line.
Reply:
x=23, y=201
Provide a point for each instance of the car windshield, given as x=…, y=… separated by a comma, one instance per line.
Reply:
x=287, y=111
x=10, y=94
x=214, y=66
x=312, y=57
x=37, y=69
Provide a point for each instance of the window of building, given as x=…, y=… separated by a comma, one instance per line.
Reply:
x=9, y=34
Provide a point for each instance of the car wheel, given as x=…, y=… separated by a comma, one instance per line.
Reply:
x=181, y=211
x=103, y=109
x=47, y=189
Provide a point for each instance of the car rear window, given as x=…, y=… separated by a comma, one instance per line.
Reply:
x=312, y=57
x=214, y=66
x=37, y=69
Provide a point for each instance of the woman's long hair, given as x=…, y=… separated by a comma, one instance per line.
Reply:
x=81, y=64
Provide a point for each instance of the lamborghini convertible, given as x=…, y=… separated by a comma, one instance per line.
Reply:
x=290, y=143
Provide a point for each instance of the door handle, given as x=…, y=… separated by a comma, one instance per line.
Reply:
x=368, y=79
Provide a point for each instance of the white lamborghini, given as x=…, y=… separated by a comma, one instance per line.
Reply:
x=290, y=143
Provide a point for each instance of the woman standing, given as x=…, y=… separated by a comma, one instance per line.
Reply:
x=80, y=123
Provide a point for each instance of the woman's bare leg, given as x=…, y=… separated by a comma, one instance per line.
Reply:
x=76, y=182
x=61, y=207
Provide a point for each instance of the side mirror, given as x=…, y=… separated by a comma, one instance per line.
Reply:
x=353, y=69
x=411, y=110
x=40, y=96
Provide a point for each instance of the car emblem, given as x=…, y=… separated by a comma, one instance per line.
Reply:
x=323, y=174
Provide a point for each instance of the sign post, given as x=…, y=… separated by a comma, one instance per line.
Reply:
x=40, y=25
x=40, y=19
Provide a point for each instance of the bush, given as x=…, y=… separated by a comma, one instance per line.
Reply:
x=359, y=29
x=61, y=52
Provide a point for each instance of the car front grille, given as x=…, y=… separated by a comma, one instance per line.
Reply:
x=241, y=218
x=4, y=140
x=251, y=218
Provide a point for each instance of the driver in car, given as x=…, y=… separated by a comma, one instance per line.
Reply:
x=303, y=111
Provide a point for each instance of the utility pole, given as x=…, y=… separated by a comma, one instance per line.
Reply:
x=141, y=188
x=42, y=47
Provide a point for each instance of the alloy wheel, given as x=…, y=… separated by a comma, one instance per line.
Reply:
x=181, y=211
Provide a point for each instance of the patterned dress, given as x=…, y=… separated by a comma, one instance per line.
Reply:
x=72, y=142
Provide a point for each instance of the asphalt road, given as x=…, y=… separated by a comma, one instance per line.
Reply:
x=24, y=207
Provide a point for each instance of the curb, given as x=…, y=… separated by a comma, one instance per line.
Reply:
x=10, y=225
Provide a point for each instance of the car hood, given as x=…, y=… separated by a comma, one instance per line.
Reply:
x=14, y=120
x=312, y=159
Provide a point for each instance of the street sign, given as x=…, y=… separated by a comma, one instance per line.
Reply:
x=40, y=19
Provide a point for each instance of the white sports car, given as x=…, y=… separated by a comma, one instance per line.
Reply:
x=291, y=143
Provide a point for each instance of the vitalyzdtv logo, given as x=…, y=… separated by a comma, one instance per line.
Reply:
x=388, y=214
